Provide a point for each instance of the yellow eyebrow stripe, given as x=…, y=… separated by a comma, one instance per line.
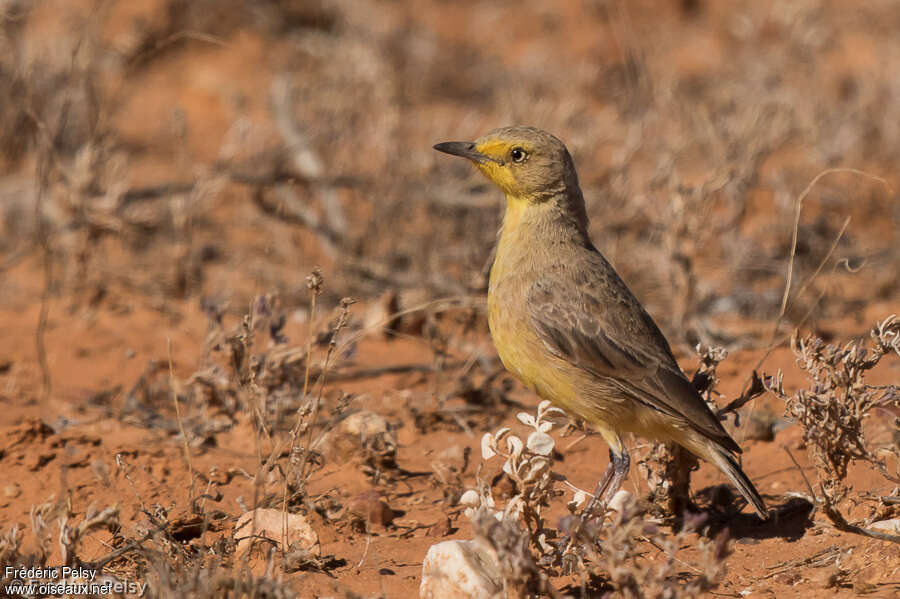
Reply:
x=494, y=148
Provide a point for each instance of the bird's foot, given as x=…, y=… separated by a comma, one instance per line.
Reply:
x=582, y=539
x=571, y=563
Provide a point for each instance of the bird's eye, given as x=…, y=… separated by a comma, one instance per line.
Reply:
x=518, y=155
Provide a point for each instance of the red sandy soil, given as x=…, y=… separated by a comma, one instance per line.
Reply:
x=55, y=449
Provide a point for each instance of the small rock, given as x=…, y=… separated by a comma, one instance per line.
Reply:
x=455, y=454
x=370, y=507
x=620, y=500
x=760, y=426
x=460, y=570
x=891, y=526
x=268, y=523
x=411, y=301
x=789, y=578
x=450, y=464
x=378, y=318
x=365, y=424
x=361, y=434
x=828, y=577
x=452, y=459
x=864, y=587
x=12, y=490
x=441, y=528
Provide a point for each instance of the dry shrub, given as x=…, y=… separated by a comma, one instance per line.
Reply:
x=157, y=557
x=619, y=559
x=531, y=551
x=251, y=373
x=53, y=521
x=510, y=543
x=834, y=409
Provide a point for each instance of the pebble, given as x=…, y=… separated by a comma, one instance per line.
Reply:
x=269, y=524
x=460, y=570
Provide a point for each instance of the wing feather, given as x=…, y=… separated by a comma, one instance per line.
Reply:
x=617, y=342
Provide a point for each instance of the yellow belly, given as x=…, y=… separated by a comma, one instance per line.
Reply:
x=525, y=356
x=522, y=352
x=577, y=392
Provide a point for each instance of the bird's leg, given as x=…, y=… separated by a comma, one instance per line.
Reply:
x=605, y=479
x=610, y=481
x=607, y=486
x=621, y=466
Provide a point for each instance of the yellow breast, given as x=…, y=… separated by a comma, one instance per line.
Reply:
x=520, y=349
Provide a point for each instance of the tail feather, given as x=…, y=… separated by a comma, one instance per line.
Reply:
x=727, y=464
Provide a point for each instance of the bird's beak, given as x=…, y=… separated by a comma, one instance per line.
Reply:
x=466, y=149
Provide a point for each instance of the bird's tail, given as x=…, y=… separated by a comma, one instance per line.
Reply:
x=727, y=464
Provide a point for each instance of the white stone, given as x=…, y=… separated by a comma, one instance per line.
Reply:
x=892, y=526
x=269, y=523
x=365, y=424
x=470, y=498
x=619, y=500
x=460, y=570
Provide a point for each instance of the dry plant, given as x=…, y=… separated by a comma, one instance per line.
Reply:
x=527, y=465
x=618, y=558
x=301, y=461
x=530, y=551
x=509, y=542
x=71, y=536
x=52, y=520
x=253, y=373
x=275, y=382
x=246, y=380
x=833, y=412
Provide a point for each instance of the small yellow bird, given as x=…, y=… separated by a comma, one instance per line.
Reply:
x=568, y=327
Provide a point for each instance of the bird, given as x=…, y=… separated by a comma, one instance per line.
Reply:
x=567, y=326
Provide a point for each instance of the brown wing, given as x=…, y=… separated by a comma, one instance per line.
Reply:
x=598, y=325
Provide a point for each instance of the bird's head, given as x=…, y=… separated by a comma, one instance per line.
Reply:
x=528, y=164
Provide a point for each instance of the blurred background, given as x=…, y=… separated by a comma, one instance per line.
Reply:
x=154, y=151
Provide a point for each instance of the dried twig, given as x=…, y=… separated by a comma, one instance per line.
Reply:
x=187, y=450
